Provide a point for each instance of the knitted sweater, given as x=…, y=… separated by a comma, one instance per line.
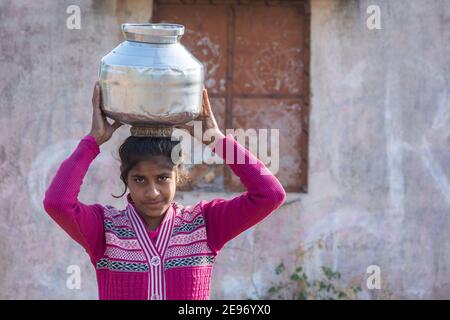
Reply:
x=176, y=260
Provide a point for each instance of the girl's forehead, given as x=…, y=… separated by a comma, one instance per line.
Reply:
x=150, y=166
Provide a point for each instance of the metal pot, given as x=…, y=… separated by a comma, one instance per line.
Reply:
x=151, y=81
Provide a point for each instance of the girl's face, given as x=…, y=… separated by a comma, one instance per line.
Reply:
x=152, y=186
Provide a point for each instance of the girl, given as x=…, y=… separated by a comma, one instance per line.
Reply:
x=155, y=248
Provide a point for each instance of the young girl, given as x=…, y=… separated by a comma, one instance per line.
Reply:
x=155, y=248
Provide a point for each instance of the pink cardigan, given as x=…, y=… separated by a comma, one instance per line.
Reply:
x=176, y=260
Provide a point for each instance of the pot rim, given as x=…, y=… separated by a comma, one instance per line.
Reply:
x=153, y=32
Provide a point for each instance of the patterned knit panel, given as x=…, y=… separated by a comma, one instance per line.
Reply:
x=123, y=252
x=126, y=244
x=123, y=272
x=126, y=255
x=188, y=261
x=118, y=217
x=188, y=245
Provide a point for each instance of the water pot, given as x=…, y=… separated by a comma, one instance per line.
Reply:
x=151, y=81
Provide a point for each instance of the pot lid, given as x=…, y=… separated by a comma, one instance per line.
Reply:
x=161, y=33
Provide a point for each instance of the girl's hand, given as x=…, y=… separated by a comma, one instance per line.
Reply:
x=208, y=122
x=101, y=129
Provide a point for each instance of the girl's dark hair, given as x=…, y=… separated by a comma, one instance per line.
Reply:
x=136, y=149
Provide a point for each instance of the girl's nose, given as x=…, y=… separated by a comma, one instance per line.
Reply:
x=152, y=191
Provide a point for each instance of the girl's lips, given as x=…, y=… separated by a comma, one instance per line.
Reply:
x=152, y=203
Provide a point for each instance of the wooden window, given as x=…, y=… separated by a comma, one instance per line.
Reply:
x=256, y=55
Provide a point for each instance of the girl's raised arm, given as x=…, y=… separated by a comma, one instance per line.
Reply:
x=225, y=219
x=84, y=223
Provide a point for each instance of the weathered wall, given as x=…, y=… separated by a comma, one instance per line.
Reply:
x=379, y=190
x=48, y=73
x=379, y=148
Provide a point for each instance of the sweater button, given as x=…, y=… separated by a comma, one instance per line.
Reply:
x=155, y=261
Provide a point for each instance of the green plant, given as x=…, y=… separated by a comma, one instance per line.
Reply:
x=299, y=287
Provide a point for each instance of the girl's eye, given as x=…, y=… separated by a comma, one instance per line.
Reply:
x=160, y=178
x=138, y=179
x=163, y=178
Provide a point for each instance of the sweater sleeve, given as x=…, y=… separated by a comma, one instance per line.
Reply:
x=226, y=219
x=83, y=223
